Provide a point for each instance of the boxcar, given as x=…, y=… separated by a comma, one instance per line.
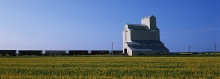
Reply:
x=9, y=52
x=78, y=52
x=30, y=52
x=99, y=52
x=117, y=52
x=55, y=52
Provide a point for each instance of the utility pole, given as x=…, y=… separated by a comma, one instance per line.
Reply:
x=112, y=48
x=189, y=49
x=215, y=47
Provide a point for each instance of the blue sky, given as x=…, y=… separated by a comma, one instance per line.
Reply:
x=94, y=24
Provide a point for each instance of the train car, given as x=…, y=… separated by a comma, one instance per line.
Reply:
x=9, y=52
x=99, y=52
x=30, y=52
x=55, y=52
x=78, y=52
x=117, y=52
x=195, y=52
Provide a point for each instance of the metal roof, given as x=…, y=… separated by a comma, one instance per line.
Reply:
x=148, y=48
x=136, y=24
x=139, y=27
x=149, y=16
x=144, y=42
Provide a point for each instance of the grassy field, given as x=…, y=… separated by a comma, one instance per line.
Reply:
x=110, y=67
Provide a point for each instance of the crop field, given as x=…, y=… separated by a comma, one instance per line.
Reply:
x=110, y=67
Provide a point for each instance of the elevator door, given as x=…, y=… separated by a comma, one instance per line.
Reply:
x=125, y=50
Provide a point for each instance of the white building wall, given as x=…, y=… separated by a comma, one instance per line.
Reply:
x=128, y=35
x=129, y=51
x=146, y=21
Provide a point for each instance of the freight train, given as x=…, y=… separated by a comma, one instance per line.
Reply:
x=57, y=52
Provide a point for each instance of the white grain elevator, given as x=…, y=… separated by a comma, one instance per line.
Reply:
x=143, y=39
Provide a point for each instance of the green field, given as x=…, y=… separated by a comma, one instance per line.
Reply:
x=109, y=67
